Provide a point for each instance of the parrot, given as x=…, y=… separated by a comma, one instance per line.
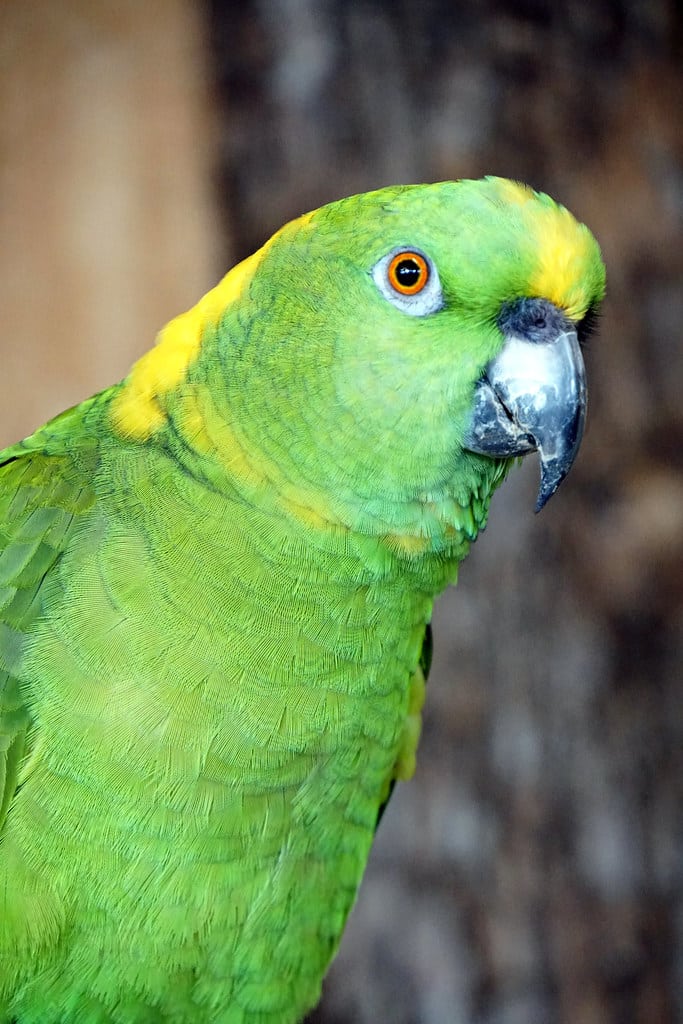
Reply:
x=216, y=584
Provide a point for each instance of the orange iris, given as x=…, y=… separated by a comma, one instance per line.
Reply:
x=408, y=273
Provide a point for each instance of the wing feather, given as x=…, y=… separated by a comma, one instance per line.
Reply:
x=406, y=763
x=45, y=484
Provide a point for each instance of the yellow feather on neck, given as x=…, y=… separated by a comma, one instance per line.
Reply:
x=136, y=411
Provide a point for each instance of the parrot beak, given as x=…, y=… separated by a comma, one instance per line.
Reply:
x=532, y=397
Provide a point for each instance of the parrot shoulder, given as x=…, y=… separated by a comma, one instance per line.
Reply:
x=46, y=483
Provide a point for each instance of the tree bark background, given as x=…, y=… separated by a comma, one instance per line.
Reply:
x=107, y=218
x=532, y=872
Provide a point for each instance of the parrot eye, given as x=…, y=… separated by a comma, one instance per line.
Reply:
x=409, y=280
x=408, y=272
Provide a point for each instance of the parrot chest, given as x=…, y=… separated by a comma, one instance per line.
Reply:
x=222, y=761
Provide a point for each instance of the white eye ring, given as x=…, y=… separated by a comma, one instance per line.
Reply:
x=422, y=303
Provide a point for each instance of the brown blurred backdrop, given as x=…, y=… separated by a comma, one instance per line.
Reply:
x=533, y=870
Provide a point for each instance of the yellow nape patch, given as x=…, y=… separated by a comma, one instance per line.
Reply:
x=513, y=192
x=136, y=410
x=566, y=257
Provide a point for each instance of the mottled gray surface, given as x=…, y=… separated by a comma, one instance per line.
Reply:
x=532, y=872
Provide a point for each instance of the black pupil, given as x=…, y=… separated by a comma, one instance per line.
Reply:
x=408, y=272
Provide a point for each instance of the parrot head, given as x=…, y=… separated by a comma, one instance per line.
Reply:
x=380, y=361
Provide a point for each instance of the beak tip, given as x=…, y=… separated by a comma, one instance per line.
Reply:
x=553, y=472
x=549, y=484
x=542, y=499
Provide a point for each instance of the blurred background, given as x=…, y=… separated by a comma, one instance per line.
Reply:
x=532, y=872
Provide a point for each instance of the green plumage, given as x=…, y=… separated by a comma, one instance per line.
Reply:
x=210, y=626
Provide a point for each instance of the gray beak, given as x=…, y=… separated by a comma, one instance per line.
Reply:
x=532, y=397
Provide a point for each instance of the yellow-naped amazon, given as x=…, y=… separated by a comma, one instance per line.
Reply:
x=216, y=580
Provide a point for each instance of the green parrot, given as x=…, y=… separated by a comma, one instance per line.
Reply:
x=216, y=582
